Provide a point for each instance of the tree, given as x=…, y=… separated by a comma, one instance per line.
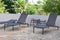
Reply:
x=2, y=7
x=9, y=7
x=25, y=7
x=52, y=6
x=19, y=6
x=31, y=9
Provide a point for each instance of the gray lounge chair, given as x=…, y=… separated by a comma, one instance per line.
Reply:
x=50, y=23
x=20, y=21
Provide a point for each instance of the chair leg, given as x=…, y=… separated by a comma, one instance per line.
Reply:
x=28, y=25
x=48, y=27
x=42, y=30
x=57, y=28
x=4, y=27
x=19, y=25
x=13, y=28
x=33, y=29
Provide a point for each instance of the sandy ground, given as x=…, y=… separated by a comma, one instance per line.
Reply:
x=26, y=33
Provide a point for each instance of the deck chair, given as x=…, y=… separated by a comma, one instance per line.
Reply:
x=50, y=23
x=20, y=21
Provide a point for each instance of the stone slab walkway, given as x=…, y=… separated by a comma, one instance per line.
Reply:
x=26, y=33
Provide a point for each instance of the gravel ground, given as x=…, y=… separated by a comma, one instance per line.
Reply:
x=26, y=33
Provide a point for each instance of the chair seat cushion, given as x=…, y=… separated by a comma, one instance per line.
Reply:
x=10, y=24
x=41, y=26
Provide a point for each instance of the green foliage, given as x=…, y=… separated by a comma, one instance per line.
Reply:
x=2, y=7
x=52, y=6
x=9, y=6
x=25, y=7
x=32, y=9
x=21, y=6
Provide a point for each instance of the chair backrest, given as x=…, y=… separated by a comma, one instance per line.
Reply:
x=52, y=19
x=22, y=18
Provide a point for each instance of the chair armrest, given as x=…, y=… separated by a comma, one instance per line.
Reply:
x=12, y=21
